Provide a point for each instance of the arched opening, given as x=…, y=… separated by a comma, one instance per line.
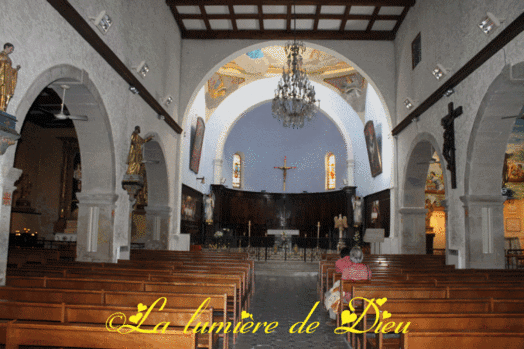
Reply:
x=483, y=202
x=96, y=197
x=423, y=202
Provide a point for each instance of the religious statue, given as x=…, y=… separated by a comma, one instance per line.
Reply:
x=430, y=207
x=8, y=76
x=357, y=210
x=135, y=157
x=341, y=223
x=209, y=206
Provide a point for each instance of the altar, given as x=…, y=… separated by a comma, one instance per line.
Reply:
x=278, y=233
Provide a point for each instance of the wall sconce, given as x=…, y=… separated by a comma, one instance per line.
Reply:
x=102, y=22
x=134, y=90
x=167, y=100
x=202, y=180
x=223, y=180
x=449, y=92
x=439, y=71
x=489, y=23
x=142, y=69
x=409, y=103
x=161, y=117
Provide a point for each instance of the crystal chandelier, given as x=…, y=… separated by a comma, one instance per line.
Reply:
x=294, y=100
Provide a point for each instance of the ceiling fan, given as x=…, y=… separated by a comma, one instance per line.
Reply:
x=61, y=115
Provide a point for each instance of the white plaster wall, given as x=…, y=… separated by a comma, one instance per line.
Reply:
x=141, y=30
x=451, y=37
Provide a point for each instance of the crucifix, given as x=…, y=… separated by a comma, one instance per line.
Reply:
x=448, y=151
x=285, y=168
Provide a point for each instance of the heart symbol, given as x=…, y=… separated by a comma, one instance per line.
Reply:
x=141, y=307
x=386, y=315
x=135, y=318
x=246, y=315
x=381, y=301
x=348, y=317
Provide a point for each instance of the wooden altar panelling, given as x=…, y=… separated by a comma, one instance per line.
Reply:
x=384, y=206
x=235, y=208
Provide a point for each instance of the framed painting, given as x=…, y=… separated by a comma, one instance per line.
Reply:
x=375, y=161
x=196, y=149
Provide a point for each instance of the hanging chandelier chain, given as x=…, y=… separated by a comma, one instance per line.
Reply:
x=294, y=100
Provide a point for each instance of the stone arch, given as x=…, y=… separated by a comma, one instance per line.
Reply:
x=482, y=199
x=413, y=212
x=97, y=198
x=368, y=75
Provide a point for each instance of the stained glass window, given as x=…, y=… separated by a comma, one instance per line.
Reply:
x=331, y=178
x=237, y=172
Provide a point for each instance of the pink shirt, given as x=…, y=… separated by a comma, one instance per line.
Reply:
x=352, y=271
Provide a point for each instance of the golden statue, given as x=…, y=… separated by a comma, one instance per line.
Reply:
x=134, y=159
x=8, y=76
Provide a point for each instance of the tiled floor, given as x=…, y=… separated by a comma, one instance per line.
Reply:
x=286, y=292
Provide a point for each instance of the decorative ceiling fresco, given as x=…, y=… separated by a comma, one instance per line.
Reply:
x=268, y=62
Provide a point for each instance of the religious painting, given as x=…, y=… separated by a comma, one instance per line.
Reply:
x=513, y=169
x=513, y=225
x=375, y=210
x=375, y=162
x=219, y=87
x=196, y=149
x=435, y=177
x=188, y=207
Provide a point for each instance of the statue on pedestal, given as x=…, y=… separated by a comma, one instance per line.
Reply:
x=341, y=223
x=209, y=206
x=134, y=179
x=8, y=76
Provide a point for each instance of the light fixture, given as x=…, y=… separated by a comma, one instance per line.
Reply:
x=449, y=92
x=409, y=103
x=161, y=117
x=294, y=100
x=142, y=69
x=439, y=71
x=202, y=180
x=489, y=23
x=223, y=180
x=102, y=21
x=134, y=90
x=167, y=100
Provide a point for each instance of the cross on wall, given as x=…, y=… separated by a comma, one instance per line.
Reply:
x=284, y=169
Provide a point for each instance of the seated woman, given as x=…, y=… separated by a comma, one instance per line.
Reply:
x=351, y=268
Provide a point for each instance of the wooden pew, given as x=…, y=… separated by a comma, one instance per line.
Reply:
x=91, y=336
x=91, y=314
x=462, y=339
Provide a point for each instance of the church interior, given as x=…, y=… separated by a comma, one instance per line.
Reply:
x=181, y=151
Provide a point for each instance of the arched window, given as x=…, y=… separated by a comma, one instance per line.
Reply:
x=331, y=178
x=237, y=171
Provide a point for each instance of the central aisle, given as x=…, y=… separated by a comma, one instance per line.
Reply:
x=286, y=292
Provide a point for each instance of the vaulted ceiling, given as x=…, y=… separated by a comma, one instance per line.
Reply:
x=275, y=19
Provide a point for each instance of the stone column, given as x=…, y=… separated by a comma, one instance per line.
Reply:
x=96, y=236
x=157, y=226
x=484, y=218
x=413, y=230
x=9, y=176
x=217, y=171
x=350, y=173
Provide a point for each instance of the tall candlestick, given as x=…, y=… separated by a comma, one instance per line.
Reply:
x=249, y=228
x=318, y=230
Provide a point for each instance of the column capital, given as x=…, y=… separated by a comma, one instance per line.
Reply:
x=413, y=210
x=96, y=199
x=158, y=210
x=482, y=200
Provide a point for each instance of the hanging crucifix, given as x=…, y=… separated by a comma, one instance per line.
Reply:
x=448, y=151
x=285, y=168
